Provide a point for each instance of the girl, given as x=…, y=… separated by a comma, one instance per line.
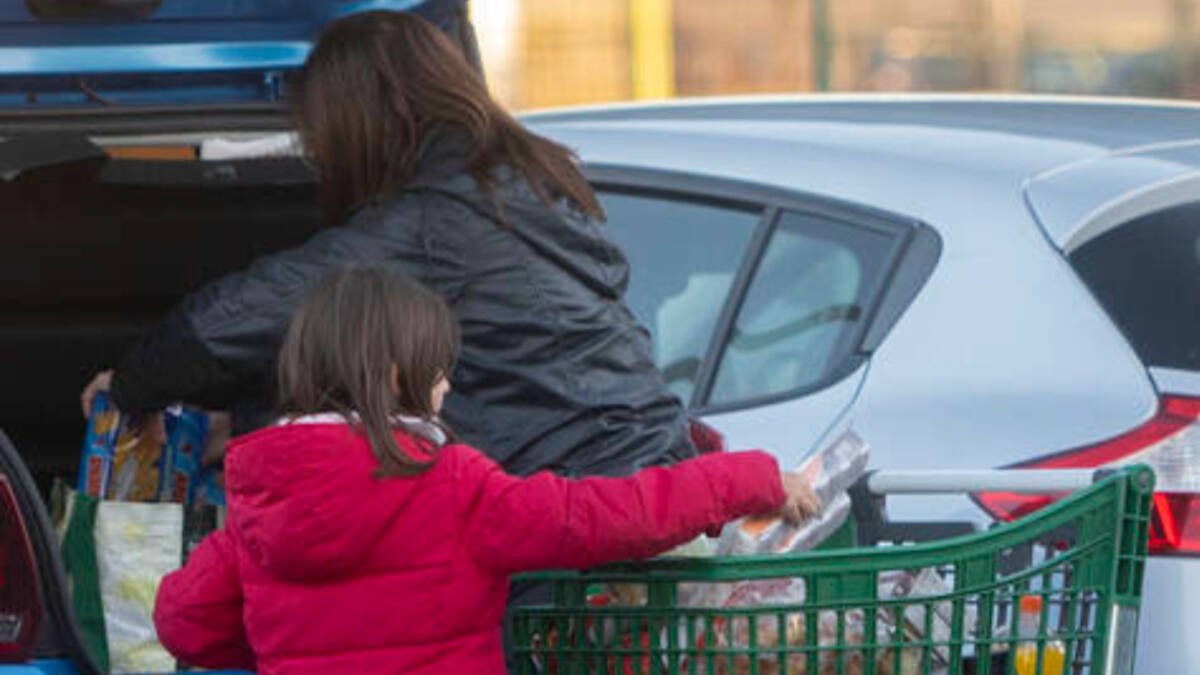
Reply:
x=362, y=538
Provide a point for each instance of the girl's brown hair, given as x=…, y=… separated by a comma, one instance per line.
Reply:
x=358, y=327
x=378, y=83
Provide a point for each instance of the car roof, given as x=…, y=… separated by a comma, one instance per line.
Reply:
x=1105, y=122
x=904, y=153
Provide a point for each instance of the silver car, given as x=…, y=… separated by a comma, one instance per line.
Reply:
x=968, y=282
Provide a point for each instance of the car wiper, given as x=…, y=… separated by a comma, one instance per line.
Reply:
x=21, y=155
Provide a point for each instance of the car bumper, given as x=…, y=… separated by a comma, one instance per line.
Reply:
x=40, y=667
x=1169, y=627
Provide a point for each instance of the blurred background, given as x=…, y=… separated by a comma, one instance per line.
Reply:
x=544, y=53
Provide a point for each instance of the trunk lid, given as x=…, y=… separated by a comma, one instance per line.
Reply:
x=104, y=53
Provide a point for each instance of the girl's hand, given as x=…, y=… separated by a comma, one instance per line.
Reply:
x=802, y=503
x=101, y=382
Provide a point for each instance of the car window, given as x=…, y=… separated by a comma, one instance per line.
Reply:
x=683, y=258
x=1146, y=273
x=804, y=306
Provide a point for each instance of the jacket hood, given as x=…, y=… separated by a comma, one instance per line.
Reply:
x=304, y=500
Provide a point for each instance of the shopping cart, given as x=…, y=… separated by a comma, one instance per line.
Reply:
x=1055, y=592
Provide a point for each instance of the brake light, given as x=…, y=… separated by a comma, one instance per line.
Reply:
x=1169, y=443
x=20, y=596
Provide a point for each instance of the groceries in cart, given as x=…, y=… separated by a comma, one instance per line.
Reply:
x=148, y=491
x=728, y=641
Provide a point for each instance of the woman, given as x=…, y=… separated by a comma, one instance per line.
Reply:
x=423, y=172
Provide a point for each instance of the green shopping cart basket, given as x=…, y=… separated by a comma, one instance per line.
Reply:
x=1055, y=592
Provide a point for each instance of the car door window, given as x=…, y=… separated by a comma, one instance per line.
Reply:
x=683, y=258
x=805, y=305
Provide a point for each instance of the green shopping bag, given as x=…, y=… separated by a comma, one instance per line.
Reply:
x=83, y=573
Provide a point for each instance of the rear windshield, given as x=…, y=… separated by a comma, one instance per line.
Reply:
x=1146, y=273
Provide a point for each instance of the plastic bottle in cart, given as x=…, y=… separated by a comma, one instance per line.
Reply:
x=1053, y=654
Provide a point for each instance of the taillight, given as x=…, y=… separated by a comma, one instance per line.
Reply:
x=1169, y=443
x=20, y=597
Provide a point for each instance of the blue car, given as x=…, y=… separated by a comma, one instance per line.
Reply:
x=104, y=227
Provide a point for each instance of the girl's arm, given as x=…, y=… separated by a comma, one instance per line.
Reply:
x=547, y=521
x=198, y=612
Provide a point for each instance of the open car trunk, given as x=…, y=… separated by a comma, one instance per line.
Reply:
x=93, y=251
x=106, y=225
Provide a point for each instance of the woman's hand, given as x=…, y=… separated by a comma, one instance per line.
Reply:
x=802, y=503
x=101, y=382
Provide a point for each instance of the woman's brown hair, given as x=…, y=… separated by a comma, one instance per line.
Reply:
x=358, y=326
x=378, y=84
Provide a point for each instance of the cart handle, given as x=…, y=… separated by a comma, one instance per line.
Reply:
x=1025, y=481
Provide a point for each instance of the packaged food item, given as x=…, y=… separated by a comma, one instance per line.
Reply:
x=95, y=465
x=837, y=466
x=210, y=487
x=139, y=466
x=733, y=633
x=831, y=472
x=1053, y=653
x=186, y=432
x=745, y=537
x=200, y=488
x=220, y=429
x=807, y=535
x=926, y=583
x=700, y=547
